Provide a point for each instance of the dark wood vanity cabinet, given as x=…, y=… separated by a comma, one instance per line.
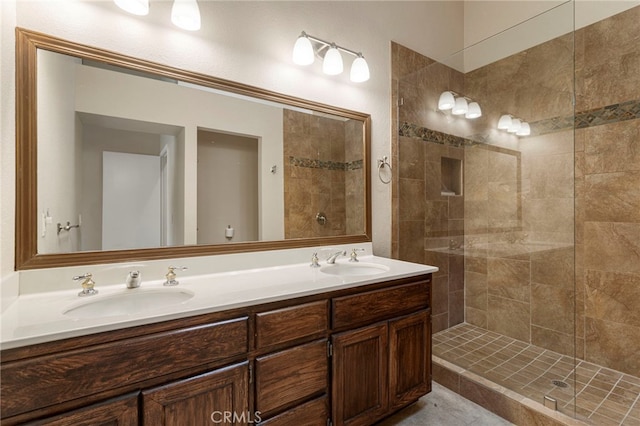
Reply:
x=352, y=356
x=380, y=368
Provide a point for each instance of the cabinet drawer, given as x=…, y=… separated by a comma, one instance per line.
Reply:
x=53, y=379
x=312, y=413
x=377, y=305
x=290, y=376
x=291, y=323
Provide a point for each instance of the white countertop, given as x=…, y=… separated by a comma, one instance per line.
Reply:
x=39, y=317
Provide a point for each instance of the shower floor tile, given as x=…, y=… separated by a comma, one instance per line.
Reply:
x=592, y=393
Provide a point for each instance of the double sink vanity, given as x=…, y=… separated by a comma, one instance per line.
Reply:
x=284, y=344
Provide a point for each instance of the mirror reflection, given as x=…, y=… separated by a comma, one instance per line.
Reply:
x=127, y=160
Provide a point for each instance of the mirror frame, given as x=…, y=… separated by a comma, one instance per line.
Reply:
x=26, y=256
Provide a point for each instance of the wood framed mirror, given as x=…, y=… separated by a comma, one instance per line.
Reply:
x=307, y=164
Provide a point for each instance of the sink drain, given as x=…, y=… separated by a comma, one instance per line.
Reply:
x=560, y=383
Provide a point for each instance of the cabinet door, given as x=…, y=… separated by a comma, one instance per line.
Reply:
x=360, y=386
x=409, y=358
x=218, y=397
x=121, y=411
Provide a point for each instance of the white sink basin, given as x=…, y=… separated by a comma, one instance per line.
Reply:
x=354, y=269
x=128, y=302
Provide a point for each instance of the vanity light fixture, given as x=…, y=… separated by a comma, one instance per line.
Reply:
x=505, y=122
x=459, y=105
x=186, y=14
x=136, y=7
x=307, y=47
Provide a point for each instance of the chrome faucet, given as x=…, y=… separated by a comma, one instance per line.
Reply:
x=134, y=279
x=332, y=258
x=87, y=285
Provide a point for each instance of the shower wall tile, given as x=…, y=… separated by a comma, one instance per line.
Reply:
x=553, y=267
x=477, y=317
x=440, y=294
x=509, y=317
x=553, y=340
x=552, y=308
x=613, y=345
x=613, y=297
x=611, y=148
x=411, y=152
x=613, y=197
x=411, y=241
x=476, y=290
x=456, y=273
x=509, y=278
x=613, y=247
x=412, y=201
x=609, y=70
x=437, y=258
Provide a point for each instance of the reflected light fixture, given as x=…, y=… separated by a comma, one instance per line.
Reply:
x=308, y=46
x=446, y=101
x=186, y=14
x=505, y=122
x=136, y=7
x=473, y=111
x=525, y=129
x=515, y=125
x=461, y=106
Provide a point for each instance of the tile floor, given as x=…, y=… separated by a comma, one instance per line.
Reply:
x=442, y=407
x=591, y=393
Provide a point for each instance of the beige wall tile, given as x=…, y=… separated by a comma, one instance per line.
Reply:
x=554, y=267
x=509, y=317
x=615, y=345
x=509, y=278
x=476, y=290
x=613, y=197
x=612, y=147
x=613, y=247
x=553, y=308
x=613, y=297
x=440, y=294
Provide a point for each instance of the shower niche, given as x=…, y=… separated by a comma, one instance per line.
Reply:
x=451, y=177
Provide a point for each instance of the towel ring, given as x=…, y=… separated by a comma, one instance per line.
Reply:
x=384, y=161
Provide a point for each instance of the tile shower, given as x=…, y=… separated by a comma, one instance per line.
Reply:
x=541, y=246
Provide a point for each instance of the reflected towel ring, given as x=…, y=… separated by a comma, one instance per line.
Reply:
x=384, y=161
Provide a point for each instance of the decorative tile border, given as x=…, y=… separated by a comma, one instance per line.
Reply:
x=426, y=134
x=629, y=110
x=325, y=164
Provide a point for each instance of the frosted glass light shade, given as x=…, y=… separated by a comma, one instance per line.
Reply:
x=303, y=51
x=474, y=111
x=332, y=64
x=137, y=7
x=359, y=70
x=515, y=125
x=446, y=101
x=525, y=129
x=186, y=14
x=505, y=122
x=460, y=107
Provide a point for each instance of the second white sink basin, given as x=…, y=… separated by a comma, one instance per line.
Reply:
x=128, y=302
x=354, y=269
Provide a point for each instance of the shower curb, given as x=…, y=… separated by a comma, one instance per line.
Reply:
x=499, y=400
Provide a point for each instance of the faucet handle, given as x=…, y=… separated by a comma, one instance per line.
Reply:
x=354, y=254
x=315, y=262
x=87, y=285
x=171, y=275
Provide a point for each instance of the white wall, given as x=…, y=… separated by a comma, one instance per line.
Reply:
x=58, y=155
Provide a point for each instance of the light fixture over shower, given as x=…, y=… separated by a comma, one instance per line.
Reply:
x=459, y=105
x=185, y=14
x=514, y=125
x=307, y=47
